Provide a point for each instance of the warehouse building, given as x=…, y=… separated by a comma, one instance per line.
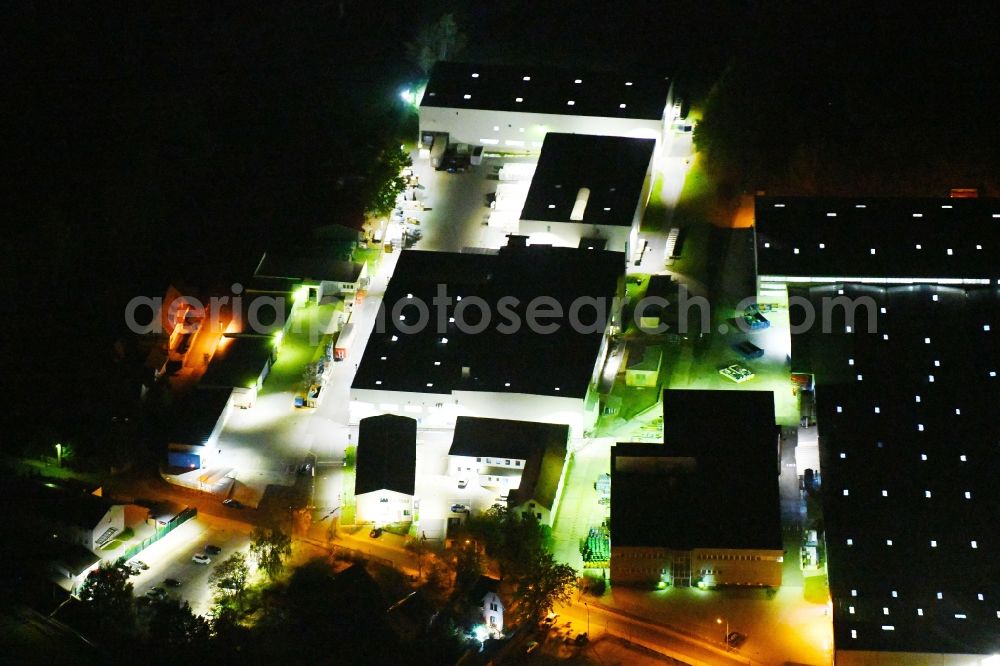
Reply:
x=703, y=507
x=497, y=364
x=588, y=191
x=512, y=108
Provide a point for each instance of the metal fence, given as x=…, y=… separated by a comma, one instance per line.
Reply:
x=175, y=522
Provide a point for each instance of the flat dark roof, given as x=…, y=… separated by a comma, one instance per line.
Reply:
x=712, y=484
x=541, y=445
x=547, y=90
x=193, y=420
x=909, y=457
x=387, y=454
x=524, y=361
x=612, y=168
x=308, y=266
x=61, y=506
x=239, y=363
x=911, y=238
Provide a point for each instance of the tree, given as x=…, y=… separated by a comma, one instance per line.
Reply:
x=441, y=40
x=269, y=547
x=107, y=592
x=544, y=584
x=385, y=181
x=230, y=579
x=173, y=626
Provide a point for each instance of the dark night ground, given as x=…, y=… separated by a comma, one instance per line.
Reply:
x=182, y=140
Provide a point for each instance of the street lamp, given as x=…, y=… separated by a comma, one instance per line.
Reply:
x=59, y=453
x=725, y=637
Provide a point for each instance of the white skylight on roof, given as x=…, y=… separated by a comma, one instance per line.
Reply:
x=607, y=208
x=937, y=363
x=872, y=251
x=993, y=373
x=959, y=616
x=378, y=382
x=927, y=494
x=437, y=362
x=430, y=384
x=622, y=105
x=940, y=595
x=846, y=493
x=882, y=310
x=850, y=609
x=916, y=398
x=920, y=427
x=767, y=245
x=885, y=493
x=526, y=78
x=919, y=246
x=466, y=96
x=962, y=457
x=831, y=215
x=628, y=83
x=854, y=593
x=578, y=81
x=979, y=247
x=394, y=338
x=950, y=252
x=974, y=544
x=980, y=596
x=885, y=336
x=444, y=341
x=895, y=594
x=796, y=250
x=557, y=388
x=918, y=215
x=570, y=102
x=506, y=383
x=840, y=409
x=920, y=612
x=518, y=99
x=945, y=205
x=383, y=357
x=968, y=495
x=888, y=627
x=552, y=205
x=854, y=633
x=860, y=378
x=986, y=327
x=822, y=246
x=843, y=455
x=860, y=206
x=850, y=361
x=885, y=610
x=934, y=297
x=923, y=456
x=933, y=543
x=475, y=75
x=779, y=205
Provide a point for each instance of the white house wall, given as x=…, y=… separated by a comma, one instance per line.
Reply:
x=371, y=508
x=516, y=131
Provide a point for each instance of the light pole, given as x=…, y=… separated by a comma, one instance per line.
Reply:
x=59, y=453
x=725, y=637
x=587, y=606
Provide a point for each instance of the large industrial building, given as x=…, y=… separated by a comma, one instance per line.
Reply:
x=512, y=108
x=440, y=369
x=906, y=393
x=588, y=191
x=703, y=507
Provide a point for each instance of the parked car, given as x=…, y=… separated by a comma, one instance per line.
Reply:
x=232, y=504
x=172, y=582
x=201, y=558
x=375, y=533
x=462, y=483
x=212, y=550
x=735, y=639
x=459, y=508
x=550, y=619
x=140, y=565
x=531, y=647
x=156, y=593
